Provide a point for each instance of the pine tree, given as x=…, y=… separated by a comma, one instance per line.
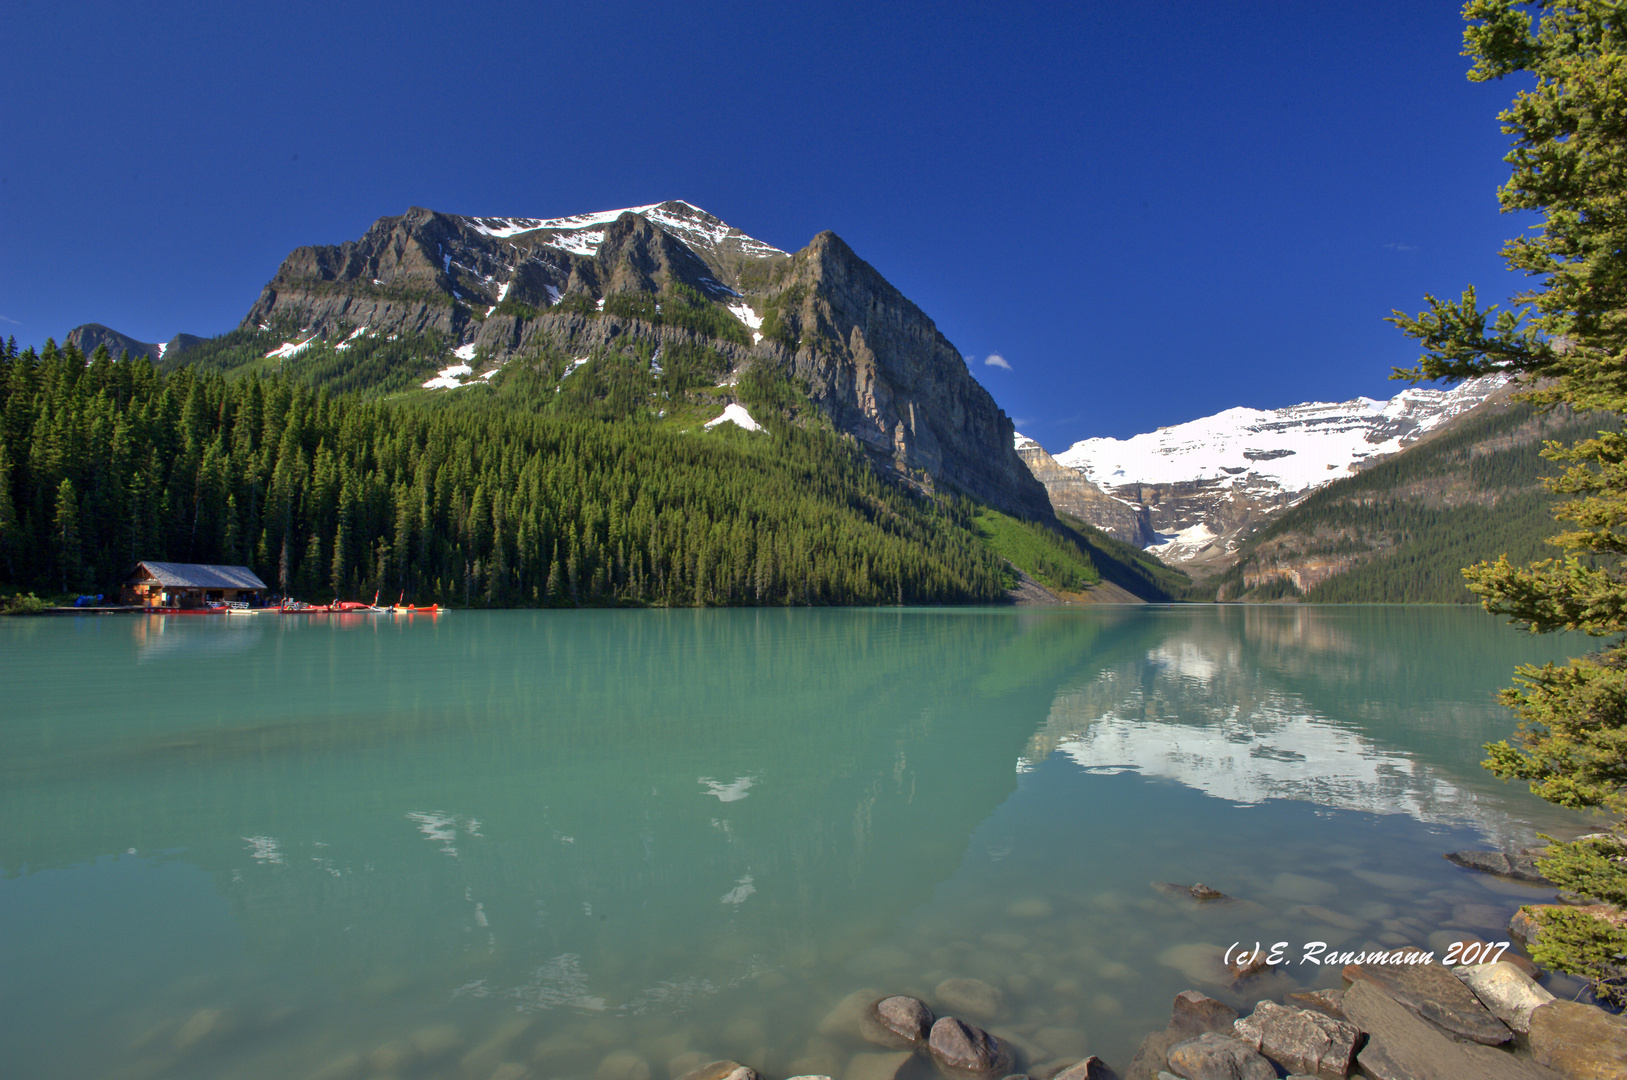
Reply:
x=1566, y=341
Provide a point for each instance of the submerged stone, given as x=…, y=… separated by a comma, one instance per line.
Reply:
x=622, y=1065
x=966, y=1049
x=876, y=1066
x=905, y=1017
x=1519, y=866
x=1194, y=1013
x=973, y=997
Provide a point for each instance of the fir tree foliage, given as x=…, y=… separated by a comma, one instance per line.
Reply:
x=547, y=490
x=1566, y=340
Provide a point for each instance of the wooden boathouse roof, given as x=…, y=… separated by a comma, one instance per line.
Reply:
x=199, y=575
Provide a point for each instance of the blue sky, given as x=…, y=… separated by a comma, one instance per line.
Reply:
x=1150, y=212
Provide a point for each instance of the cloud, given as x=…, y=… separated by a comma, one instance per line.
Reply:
x=13, y=322
x=1402, y=247
x=996, y=360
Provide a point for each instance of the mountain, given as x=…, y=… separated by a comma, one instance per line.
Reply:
x=486, y=291
x=638, y=407
x=91, y=336
x=1401, y=530
x=1192, y=493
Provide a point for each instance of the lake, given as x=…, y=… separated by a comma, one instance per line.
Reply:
x=613, y=843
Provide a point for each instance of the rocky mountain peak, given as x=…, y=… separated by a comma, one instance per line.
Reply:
x=497, y=287
x=90, y=336
x=1194, y=490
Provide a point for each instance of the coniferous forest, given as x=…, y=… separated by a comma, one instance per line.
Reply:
x=541, y=491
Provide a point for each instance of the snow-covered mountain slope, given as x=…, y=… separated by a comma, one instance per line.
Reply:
x=1190, y=492
x=1292, y=449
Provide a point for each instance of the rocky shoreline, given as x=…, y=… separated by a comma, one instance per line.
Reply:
x=1403, y=1014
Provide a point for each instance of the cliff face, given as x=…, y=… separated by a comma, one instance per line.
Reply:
x=884, y=373
x=1071, y=493
x=499, y=287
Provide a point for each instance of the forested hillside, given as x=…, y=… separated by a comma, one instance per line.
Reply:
x=1402, y=530
x=564, y=482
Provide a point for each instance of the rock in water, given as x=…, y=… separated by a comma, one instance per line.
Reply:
x=973, y=997
x=1520, y=867
x=1092, y=1068
x=907, y=1017
x=1323, y=1001
x=1580, y=1041
x=1300, y=1040
x=1434, y=994
x=1212, y=1056
x=876, y=1066
x=846, y=1018
x=1400, y=1046
x=1508, y=992
x=1195, y=1013
x=624, y=1065
x=966, y=1050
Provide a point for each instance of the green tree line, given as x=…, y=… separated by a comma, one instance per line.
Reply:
x=579, y=498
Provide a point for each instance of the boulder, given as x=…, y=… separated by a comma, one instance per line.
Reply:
x=1151, y=1057
x=1200, y=891
x=1401, y=1046
x=969, y=997
x=966, y=1050
x=1432, y=992
x=1195, y=1013
x=1300, y=1040
x=1508, y=992
x=720, y=1070
x=1519, y=866
x=1248, y=965
x=1091, y=1068
x=1526, y=923
x=905, y=1017
x=1212, y=1056
x=1323, y=1001
x=1578, y=1041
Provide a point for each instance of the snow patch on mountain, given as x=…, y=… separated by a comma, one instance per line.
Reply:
x=1294, y=449
x=290, y=348
x=581, y=234
x=737, y=415
x=753, y=321
x=449, y=378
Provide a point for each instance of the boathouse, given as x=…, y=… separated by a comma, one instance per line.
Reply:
x=191, y=585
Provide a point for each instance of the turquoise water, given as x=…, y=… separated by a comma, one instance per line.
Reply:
x=568, y=844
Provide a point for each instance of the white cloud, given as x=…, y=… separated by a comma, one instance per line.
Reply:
x=996, y=360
